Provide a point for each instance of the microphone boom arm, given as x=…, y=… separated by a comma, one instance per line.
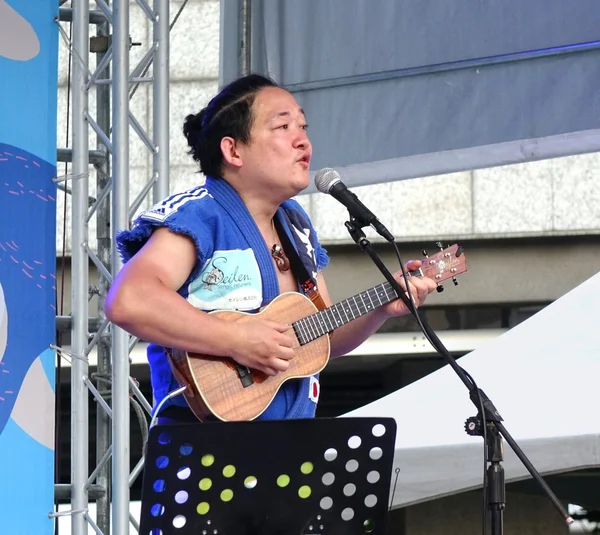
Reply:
x=493, y=429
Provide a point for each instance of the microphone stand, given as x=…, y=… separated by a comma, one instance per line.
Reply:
x=487, y=423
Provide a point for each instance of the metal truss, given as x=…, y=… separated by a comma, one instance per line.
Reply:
x=115, y=81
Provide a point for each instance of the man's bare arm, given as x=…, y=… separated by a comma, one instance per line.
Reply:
x=143, y=300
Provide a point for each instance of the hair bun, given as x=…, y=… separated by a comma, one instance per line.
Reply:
x=192, y=127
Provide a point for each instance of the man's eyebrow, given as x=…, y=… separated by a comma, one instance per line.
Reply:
x=284, y=114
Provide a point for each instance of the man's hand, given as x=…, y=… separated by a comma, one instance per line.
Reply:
x=420, y=288
x=262, y=345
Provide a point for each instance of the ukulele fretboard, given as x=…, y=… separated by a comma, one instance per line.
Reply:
x=325, y=321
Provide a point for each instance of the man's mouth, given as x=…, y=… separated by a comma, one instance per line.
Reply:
x=305, y=160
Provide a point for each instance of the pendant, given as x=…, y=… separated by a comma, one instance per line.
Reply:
x=283, y=264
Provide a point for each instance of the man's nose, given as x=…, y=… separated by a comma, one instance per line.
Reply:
x=302, y=140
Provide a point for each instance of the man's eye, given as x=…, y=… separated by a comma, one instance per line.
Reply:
x=304, y=127
x=284, y=126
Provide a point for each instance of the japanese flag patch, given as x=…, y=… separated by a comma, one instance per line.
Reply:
x=314, y=389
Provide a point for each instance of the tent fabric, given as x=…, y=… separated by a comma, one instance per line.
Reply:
x=386, y=82
x=542, y=376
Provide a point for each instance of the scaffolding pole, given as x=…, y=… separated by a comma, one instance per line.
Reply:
x=245, y=39
x=160, y=162
x=103, y=237
x=120, y=218
x=113, y=80
x=79, y=269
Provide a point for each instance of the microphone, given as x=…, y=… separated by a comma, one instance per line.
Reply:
x=328, y=181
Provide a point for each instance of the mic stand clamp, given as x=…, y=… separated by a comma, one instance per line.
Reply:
x=494, y=429
x=496, y=487
x=355, y=229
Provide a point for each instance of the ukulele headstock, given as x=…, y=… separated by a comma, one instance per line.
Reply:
x=445, y=264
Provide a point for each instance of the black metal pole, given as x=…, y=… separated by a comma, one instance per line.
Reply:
x=494, y=428
x=496, y=491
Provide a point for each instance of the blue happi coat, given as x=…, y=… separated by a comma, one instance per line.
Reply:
x=234, y=271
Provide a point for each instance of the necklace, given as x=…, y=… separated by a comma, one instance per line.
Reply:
x=281, y=260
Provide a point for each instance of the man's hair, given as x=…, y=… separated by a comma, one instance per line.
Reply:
x=228, y=114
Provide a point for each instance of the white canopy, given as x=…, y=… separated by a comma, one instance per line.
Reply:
x=542, y=376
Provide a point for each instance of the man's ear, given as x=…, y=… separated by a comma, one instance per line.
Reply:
x=230, y=152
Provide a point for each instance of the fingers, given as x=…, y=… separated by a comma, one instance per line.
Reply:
x=272, y=372
x=285, y=341
x=280, y=327
x=281, y=359
x=413, y=264
x=279, y=364
x=264, y=345
x=414, y=293
x=285, y=353
x=275, y=366
x=419, y=287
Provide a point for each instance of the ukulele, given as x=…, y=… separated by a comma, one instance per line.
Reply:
x=221, y=387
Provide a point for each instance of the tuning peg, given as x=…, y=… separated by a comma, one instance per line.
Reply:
x=440, y=288
x=425, y=253
x=455, y=281
x=439, y=245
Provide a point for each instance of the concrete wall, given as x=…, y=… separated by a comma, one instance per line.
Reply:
x=548, y=198
x=507, y=271
x=498, y=273
x=555, y=197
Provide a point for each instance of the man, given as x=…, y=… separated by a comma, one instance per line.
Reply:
x=217, y=247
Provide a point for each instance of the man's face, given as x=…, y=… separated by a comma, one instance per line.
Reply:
x=277, y=156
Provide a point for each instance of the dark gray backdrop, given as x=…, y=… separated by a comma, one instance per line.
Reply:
x=397, y=89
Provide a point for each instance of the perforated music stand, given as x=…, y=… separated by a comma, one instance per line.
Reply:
x=319, y=476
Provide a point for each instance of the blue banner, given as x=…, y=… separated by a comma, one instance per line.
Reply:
x=28, y=102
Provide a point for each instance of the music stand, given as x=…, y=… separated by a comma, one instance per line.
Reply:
x=294, y=477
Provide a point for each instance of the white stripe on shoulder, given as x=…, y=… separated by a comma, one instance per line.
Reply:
x=162, y=210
